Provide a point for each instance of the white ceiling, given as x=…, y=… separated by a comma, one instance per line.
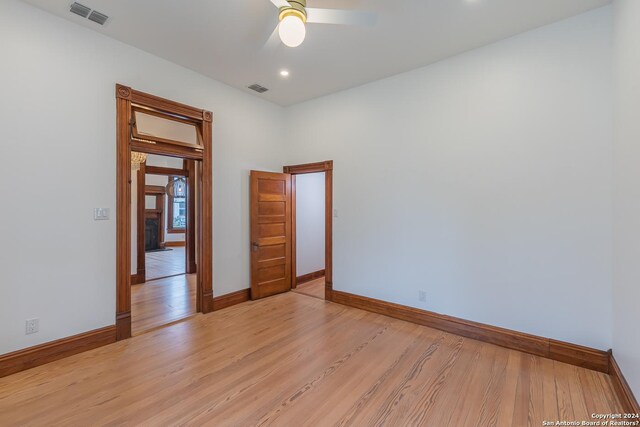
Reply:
x=225, y=39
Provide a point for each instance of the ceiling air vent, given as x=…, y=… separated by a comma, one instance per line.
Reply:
x=98, y=18
x=80, y=9
x=258, y=88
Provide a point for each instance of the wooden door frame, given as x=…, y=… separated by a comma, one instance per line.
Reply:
x=141, y=268
x=327, y=168
x=126, y=98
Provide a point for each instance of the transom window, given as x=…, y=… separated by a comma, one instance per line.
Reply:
x=149, y=125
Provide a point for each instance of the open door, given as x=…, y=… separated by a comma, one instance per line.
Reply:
x=270, y=233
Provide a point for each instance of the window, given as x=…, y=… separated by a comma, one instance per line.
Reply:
x=149, y=125
x=176, y=213
x=179, y=213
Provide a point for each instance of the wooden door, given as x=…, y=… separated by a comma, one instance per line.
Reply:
x=270, y=233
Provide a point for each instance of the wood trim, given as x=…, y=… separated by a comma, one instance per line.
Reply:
x=123, y=92
x=123, y=325
x=162, y=104
x=163, y=149
x=31, y=357
x=328, y=232
x=585, y=357
x=205, y=219
x=190, y=236
x=327, y=168
x=125, y=100
x=327, y=165
x=309, y=277
x=154, y=190
x=164, y=115
x=294, y=236
x=175, y=244
x=141, y=261
x=137, y=279
x=578, y=355
x=158, y=170
x=621, y=386
x=123, y=213
x=231, y=299
x=150, y=139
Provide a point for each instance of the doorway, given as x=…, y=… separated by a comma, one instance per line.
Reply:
x=313, y=280
x=309, y=223
x=163, y=285
x=273, y=231
x=151, y=128
x=164, y=239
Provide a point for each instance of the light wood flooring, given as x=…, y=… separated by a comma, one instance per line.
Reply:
x=158, y=302
x=291, y=360
x=165, y=263
x=313, y=288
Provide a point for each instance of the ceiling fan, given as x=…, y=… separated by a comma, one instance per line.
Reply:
x=294, y=14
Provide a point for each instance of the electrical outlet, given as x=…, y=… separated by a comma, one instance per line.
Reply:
x=422, y=296
x=32, y=326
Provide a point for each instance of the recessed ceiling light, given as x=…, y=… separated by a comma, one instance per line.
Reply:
x=284, y=73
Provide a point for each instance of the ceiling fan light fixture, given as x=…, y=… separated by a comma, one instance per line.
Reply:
x=291, y=28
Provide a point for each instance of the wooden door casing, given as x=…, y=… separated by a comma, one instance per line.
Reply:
x=327, y=168
x=270, y=233
x=126, y=100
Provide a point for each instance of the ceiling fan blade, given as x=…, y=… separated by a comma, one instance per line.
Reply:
x=339, y=16
x=280, y=3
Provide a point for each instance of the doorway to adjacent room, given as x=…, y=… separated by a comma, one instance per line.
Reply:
x=274, y=234
x=164, y=212
x=163, y=281
x=309, y=223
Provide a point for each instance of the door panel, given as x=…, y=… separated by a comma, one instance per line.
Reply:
x=270, y=233
x=272, y=230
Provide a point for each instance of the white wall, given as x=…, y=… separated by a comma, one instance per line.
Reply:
x=309, y=223
x=58, y=119
x=484, y=179
x=626, y=285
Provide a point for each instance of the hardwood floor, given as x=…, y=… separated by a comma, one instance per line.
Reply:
x=291, y=360
x=313, y=288
x=165, y=263
x=158, y=302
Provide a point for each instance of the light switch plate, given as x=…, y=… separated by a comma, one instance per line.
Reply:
x=100, y=214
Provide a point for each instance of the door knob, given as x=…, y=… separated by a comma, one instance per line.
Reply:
x=254, y=246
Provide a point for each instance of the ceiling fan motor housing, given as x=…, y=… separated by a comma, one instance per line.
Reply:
x=297, y=9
